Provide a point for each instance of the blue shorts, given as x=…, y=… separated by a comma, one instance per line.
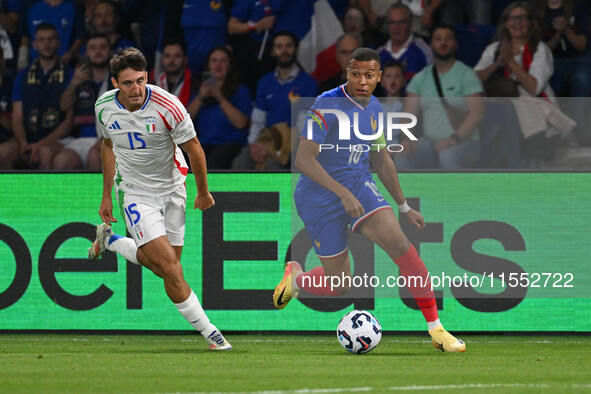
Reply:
x=327, y=221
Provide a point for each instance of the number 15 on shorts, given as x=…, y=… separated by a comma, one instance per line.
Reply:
x=133, y=215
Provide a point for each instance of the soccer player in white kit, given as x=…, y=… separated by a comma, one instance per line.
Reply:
x=142, y=127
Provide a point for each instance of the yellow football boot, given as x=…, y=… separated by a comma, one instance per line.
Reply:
x=286, y=290
x=446, y=342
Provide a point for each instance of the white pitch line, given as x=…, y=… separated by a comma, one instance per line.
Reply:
x=411, y=388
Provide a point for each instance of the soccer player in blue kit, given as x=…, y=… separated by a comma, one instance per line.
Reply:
x=336, y=190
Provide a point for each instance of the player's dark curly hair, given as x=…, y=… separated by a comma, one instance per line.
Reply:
x=127, y=58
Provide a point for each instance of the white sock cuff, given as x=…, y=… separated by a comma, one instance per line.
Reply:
x=433, y=324
x=188, y=302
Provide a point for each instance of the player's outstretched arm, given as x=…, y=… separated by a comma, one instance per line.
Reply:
x=204, y=199
x=108, y=160
x=306, y=162
x=386, y=170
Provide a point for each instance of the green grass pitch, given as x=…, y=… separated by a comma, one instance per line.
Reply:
x=275, y=364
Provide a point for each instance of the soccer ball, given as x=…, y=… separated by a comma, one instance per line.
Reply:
x=359, y=332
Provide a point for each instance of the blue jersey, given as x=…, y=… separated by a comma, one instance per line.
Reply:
x=345, y=160
x=275, y=97
x=66, y=17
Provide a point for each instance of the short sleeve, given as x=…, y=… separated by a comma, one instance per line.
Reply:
x=101, y=131
x=471, y=84
x=183, y=131
x=542, y=67
x=414, y=86
x=17, y=88
x=488, y=57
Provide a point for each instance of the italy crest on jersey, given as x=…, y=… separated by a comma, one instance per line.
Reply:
x=150, y=124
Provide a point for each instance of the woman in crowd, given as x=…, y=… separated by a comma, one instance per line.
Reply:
x=519, y=55
x=221, y=110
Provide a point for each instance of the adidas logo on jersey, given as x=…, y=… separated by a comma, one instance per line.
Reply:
x=114, y=126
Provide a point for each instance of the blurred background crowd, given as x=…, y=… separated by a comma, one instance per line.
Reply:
x=239, y=65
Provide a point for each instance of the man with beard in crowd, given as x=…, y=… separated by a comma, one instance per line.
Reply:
x=449, y=94
x=277, y=90
x=91, y=79
x=176, y=75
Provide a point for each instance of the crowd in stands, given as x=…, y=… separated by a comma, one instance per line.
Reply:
x=234, y=65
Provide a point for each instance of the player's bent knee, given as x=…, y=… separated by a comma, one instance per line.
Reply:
x=398, y=247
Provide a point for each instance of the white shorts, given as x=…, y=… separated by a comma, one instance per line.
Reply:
x=148, y=218
x=81, y=146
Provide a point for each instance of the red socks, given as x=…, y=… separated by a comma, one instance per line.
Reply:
x=315, y=282
x=411, y=265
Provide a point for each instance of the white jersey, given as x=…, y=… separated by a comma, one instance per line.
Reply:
x=148, y=160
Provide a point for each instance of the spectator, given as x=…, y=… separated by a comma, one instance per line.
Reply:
x=221, y=110
x=519, y=53
x=449, y=139
x=37, y=121
x=345, y=46
x=520, y=56
x=253, y=17
x=9, y=17
x=270, y=152
x=9, y=14
x=176, y=77
x=105, y=19
x=204, y=24
x=423, y=12
x=67, y=19
x=5, y=106
x=392, y=82
x=90, y=81
x=251, y=22
x=566, y=33
x=355, y=21
x=277, y=89
x=391, y=89
x=411, y=51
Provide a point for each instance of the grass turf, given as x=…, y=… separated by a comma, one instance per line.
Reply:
x=52, y=363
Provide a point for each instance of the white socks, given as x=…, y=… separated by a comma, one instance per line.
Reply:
x=193, y=312
x=433, y=324
x=126, y=247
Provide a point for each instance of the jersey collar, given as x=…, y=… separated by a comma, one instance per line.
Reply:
x=361, y=107
x=148, y=95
